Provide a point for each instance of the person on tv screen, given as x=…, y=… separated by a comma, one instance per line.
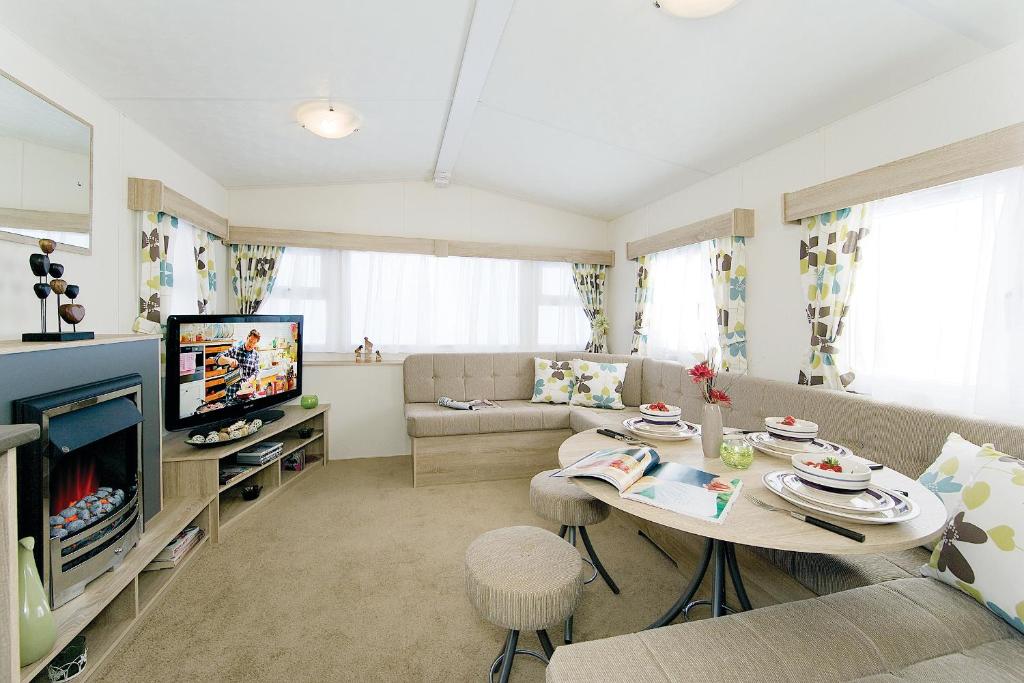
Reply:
x=243, y=356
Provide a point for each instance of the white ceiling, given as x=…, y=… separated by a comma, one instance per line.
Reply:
x=596, y=106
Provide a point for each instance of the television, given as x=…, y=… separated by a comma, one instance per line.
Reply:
x=224, y=367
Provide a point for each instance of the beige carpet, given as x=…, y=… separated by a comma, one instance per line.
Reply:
x=353, y=575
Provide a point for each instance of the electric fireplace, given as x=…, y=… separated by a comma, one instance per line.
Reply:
x=80, y=485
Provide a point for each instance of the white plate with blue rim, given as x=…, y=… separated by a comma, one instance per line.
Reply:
x=869, y=500
x=764, y=442
x=681, y=431
x=904, y=509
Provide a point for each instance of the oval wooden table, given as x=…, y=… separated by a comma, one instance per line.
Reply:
x=748, y=524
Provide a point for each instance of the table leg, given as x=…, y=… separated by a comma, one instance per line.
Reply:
x=726, y=567
x=718, y=581
x=734, y=574
x=691, y=590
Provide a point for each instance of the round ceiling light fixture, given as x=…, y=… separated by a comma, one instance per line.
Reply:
x=329, y=120
x=695, y=9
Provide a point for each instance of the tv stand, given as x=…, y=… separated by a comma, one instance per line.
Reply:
x=268, y=416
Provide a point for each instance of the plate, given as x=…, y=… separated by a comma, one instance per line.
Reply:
x=903, y=509
x=865, y=501
x=680, y=432
x=763, y=442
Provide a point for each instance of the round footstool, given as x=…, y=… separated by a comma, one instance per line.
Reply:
x=524, y=579
x=559, y=500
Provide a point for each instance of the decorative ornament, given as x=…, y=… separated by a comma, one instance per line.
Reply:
x=72, y=313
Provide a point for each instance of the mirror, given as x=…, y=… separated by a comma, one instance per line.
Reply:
x=45, y=170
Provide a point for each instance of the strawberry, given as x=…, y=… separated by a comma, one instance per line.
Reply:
x=789, y=421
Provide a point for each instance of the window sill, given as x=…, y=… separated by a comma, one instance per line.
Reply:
x=349, y=359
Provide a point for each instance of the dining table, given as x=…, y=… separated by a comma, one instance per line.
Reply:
x=751, y=525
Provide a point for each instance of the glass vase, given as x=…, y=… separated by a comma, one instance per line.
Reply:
x=35, y=620
x=711, y=430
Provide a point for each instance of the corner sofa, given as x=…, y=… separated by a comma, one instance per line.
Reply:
x=881, y=619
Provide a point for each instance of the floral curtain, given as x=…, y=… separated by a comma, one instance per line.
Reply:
x=206, y=270
x=729, y=283
x=589, y=279
x=254, y=270
x=642, y=296
x=156, y=270
x=829, y=255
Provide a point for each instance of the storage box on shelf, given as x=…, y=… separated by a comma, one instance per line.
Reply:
x=188, y=470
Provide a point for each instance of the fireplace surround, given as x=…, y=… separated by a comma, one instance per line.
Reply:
x=80, y=484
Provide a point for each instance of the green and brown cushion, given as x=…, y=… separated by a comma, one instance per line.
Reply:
x=553, y=381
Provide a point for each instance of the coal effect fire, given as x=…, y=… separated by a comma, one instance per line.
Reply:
x=86, y=511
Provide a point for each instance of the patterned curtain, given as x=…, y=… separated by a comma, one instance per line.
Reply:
x=829, y=254
x=156, y=271
x=206, y=270
x=254, y=269
x=589, y=279
x=642, y=296
x=729, y=282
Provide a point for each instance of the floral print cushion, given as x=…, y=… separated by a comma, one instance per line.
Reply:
x=981, y=551
x=553, y=381
x=953, y=468
x=598, y=385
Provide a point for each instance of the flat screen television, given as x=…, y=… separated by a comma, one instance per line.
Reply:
x=224, y=367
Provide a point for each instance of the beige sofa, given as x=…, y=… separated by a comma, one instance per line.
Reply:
x=883, y=621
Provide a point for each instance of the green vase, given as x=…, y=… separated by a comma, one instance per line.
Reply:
x=35, y=620
x=310, y=401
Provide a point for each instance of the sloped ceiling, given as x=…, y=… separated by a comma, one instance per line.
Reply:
x=596, y=106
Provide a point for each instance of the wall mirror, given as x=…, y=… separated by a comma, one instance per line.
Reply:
x=45, y=170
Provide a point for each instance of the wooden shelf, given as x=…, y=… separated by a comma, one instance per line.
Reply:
x=73, y=617
x=153, y=584
x=290, y=446
x=176, y=450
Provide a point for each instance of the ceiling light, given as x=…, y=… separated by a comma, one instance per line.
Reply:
x=694, y=9
x=329, y=120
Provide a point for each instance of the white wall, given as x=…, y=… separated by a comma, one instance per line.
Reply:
x=368, y=419
x=121, y=149
x=981, y=96
x=43, y=178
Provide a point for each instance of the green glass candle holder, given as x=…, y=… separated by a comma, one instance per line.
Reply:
x=309, y=401
x=737, y=453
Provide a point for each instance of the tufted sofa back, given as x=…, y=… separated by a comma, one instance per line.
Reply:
x=496, y=376
x=903, y=437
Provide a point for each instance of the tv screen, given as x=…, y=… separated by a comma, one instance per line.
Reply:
x=221, y=367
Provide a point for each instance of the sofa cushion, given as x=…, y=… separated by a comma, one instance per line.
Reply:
x=903, y=626
x=553, y=381
x=598, y=384
x=634, y=371
x=826, y=574
x=582, y=419
x=430, y=419
x=980, y=551
x=954, y=467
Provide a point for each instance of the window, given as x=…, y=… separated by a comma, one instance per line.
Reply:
x=411, y=302
x=184, y=296
x=681, y=313
x=937, y=314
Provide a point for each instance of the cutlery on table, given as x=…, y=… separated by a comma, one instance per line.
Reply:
x=828, y=526
x=623, y=438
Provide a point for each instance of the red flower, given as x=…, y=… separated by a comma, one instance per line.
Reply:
x=701, y=373
x=719, y=396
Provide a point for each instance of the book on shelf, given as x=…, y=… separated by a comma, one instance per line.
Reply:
x=638, y=474
x=171, y=555
x=230, y=472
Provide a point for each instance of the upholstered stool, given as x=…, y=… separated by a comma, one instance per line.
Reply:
x=559, y=500
x=524, y=579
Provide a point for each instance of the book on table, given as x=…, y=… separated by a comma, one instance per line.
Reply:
x=638, y=474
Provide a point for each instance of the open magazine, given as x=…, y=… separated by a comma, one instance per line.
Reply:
x=638, y=474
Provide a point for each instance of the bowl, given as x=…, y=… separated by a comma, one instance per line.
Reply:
x=801, y=430
x=251, y=492
x=854, y=477
x=660, y=417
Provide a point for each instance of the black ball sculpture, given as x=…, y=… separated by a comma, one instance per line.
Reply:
x=72, y=313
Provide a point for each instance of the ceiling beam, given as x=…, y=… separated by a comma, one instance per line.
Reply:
x=489, y=18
